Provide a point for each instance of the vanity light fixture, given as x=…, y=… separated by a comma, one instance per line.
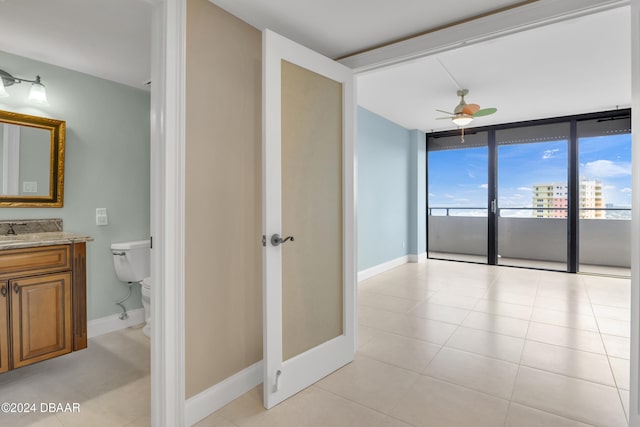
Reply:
x=37, y=94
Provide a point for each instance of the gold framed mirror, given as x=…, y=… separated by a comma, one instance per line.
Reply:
x=31, y=161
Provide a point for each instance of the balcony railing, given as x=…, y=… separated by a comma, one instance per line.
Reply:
x=604, y=241
x=625, y=213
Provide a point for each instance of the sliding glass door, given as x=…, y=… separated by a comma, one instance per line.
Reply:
x=532, y=209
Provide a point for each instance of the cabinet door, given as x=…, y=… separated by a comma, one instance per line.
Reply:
x=4, y=326
x=40, y=317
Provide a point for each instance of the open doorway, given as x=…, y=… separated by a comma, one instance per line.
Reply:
x=107, y=165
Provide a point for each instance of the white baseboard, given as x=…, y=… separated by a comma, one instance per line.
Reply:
x=417, y=258
x=107, y=324
x=381, y=268
x=210, y=400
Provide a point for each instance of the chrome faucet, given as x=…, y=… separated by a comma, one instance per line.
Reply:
x=10, y=230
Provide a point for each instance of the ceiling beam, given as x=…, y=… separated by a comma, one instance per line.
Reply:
x=514, y=20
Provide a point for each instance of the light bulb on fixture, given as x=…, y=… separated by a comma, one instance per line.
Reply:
x=37, y=94
x=3, y=91
x=462, y=120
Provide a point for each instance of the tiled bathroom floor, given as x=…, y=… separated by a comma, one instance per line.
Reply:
x=110, y=380
x=440, y=344
x=449, y=344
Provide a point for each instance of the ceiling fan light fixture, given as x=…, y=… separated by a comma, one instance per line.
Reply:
x=462, y=120
x=464, y=113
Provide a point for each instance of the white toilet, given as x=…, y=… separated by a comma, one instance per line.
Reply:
x=131, y=261
x=146, y=303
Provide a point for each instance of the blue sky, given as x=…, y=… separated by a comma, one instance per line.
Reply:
x=459, y=177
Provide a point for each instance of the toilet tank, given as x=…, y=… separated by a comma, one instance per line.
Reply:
x=131, y=260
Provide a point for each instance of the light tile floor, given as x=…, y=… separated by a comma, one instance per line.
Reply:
x=530, y=263
x=110, y=380
x=451, y=344
x=440, y=344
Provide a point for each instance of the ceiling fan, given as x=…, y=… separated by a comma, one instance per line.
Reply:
x=464, y=113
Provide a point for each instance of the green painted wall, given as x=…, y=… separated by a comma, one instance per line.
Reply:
x=107, y=166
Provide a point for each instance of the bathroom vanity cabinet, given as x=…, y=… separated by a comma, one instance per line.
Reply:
x=42, y=302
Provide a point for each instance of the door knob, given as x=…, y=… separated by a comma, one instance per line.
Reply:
x=3, y=290
x=276, y=240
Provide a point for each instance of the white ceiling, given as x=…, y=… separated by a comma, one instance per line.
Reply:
x=338, y=28
x=573, y=67
x=104, y=38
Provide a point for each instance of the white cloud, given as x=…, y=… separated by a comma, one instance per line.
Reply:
x=524, y=189
x=449, y=196
x=548, y=154
x=514, y=200
x=626, y=190
x=485, y=186
x=431, y=195
x=607, y=168
x=609, y=187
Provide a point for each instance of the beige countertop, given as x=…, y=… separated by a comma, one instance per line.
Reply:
x=27, y=240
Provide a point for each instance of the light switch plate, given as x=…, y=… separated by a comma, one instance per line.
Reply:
x=101, y=216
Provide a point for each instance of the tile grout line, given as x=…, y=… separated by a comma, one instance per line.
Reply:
x=556, y=414
x=469, y=352
x=392, y=365
x=361, y=404
x=525, y=366
x=419, y=374
x=615, y=381
x=515, y=381
x=446, y=341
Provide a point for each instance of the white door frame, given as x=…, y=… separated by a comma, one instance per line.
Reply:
x=167, y=212
x=168, y=61
x=634, y=410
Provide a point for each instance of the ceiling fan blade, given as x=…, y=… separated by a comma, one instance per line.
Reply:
x=446, y=112
x=470, y=109
x=444, y=118
x=484, y=112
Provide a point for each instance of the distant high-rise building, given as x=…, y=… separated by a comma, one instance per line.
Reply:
x=591, y=197
x=550, y=200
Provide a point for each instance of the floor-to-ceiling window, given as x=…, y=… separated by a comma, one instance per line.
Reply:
x=551, y=194
x=604, y=150
x=457, y=197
